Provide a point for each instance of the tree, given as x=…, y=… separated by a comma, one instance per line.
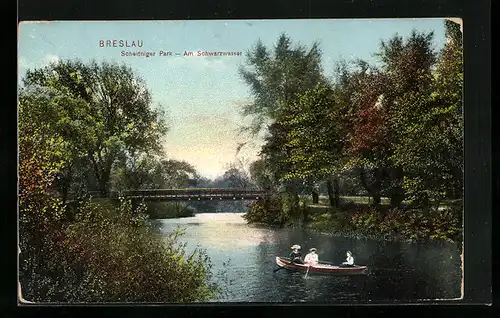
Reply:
x=429, y=129
x=406, y=71
x=67, y=260
x=315, y=140
x=237, y=175
x=114, y=111
x=359, y=93
x=274, y=79
x=261, y=174
x=137, y=172
x=178, y=174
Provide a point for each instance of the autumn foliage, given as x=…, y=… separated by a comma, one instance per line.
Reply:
x=84, y=251
x=395, y=127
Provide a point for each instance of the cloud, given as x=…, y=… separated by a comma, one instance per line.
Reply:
x=23, y=63
x=50, y=58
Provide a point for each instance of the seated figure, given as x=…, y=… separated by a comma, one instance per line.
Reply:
x=312, y=257
x=349, y=261
x=295, y=255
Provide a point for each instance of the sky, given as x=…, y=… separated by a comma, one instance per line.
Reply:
x=202, y=95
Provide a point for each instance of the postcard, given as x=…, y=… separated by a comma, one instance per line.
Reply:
x=249, y=161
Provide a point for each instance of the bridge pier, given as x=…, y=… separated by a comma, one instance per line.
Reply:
x=135, y=205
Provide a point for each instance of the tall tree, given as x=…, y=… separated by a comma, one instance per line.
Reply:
x=142, y=171
x=261, y=174
x=178, y=173
x=115, y=111
x=406, y=70
x=359, y=93
x=315, y=140
x=237, y=174
x=430, y=131
x=276, y=77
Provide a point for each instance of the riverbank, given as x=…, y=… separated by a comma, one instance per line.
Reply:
x=361, y=220
x=163, y=210
x=154, y=210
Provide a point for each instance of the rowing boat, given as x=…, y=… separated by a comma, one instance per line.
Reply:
x=320, y=268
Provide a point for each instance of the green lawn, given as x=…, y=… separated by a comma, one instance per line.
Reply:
x=356, y=199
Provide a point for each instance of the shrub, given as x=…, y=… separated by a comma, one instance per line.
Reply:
x=162, y=210
x=411, y=224
x=268, y=212
x=116, y=259
x=103, y=253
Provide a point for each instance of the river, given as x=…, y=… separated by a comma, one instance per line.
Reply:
x=398, y=271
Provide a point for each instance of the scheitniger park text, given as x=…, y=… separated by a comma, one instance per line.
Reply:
x=323, y=164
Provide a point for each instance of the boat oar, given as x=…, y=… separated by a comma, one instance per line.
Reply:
x=277, y=269
x=309, y=266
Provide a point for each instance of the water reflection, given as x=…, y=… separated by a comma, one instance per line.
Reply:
x=397, y=271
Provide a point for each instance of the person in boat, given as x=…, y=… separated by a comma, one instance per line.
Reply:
x=311, y=258
x=349, y=260
x=295, y=255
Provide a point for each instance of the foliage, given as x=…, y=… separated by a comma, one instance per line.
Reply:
x=164, y=210
x=428, y=126
x=177, y=174
x=237, y=174
x=274, y=78
x=395, y=127
x=261, y=174
x=313, y=138
x=268, y=212
x=410, y=224
x=91, y=252
x=137, y=172
x=146, y=171
x=135, y=264
x=102, y=110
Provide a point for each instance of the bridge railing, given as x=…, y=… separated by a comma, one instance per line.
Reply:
x=194, y=192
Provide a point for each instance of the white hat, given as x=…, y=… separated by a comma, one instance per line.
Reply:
x=296, y=247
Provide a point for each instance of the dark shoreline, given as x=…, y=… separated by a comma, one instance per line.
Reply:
x=359, y=235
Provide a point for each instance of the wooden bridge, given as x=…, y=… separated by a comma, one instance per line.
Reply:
x=190, y=194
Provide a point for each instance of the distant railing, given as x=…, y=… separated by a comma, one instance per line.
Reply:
x=194, y=193
x=183, y=194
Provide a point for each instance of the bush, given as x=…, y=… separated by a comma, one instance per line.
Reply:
x=411, y=224
x=268, y=212
x=119, y=259
x=162, y=210
x=92, y=252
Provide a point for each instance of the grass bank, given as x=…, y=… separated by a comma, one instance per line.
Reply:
x=393, y=224
x=154, y=210
x=164, y=210
x=362, y=220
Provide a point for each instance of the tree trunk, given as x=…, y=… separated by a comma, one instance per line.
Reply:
x=135, y=205
x=305, y=212
x=65, y=191
x=331, y=195
x=296, y=203
x=336, y=190
x=397, y=194
x=103, y=186
x=372, y=189
x=315, y=196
